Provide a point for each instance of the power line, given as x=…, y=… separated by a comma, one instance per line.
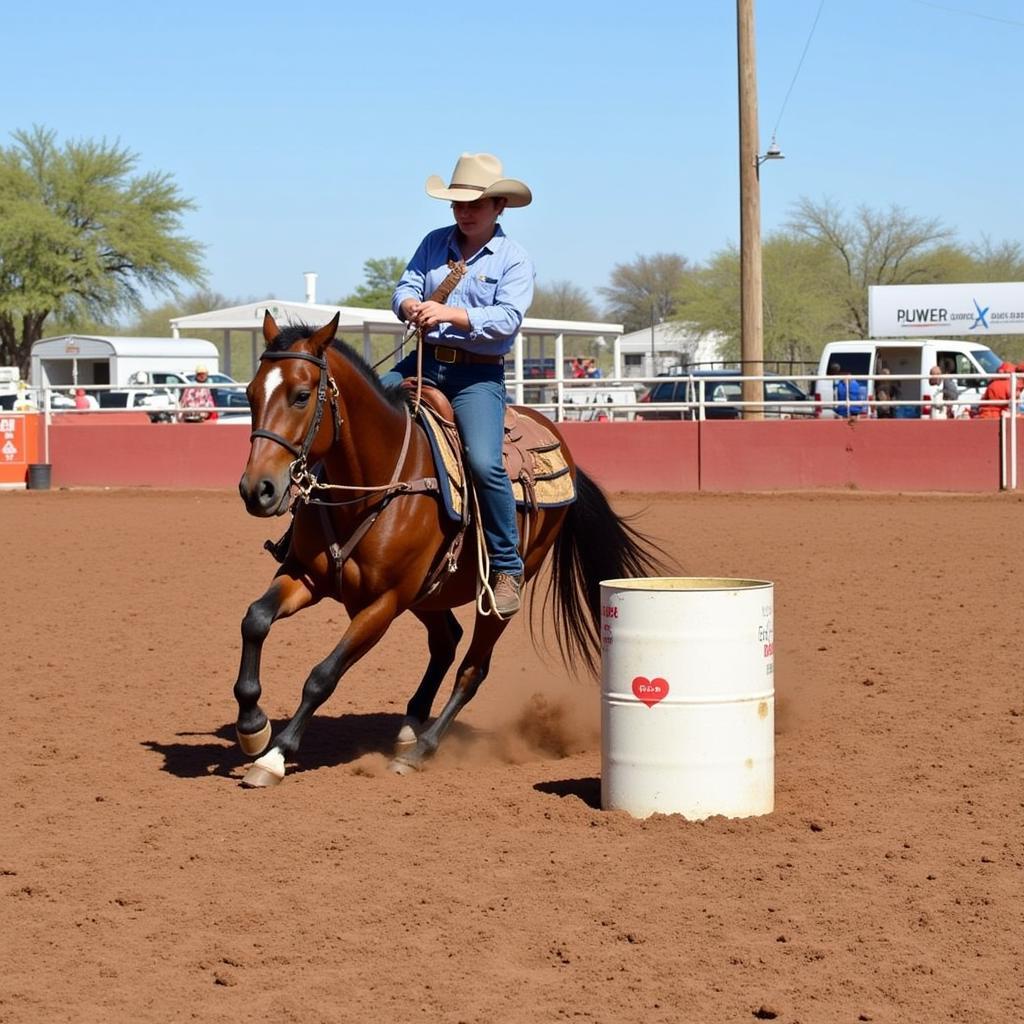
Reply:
x=970, y=14
x=800, y=64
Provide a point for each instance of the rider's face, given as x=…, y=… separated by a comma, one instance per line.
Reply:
x=478, y=218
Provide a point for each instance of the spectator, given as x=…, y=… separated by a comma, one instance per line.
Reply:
x=578, y=369
x=24, y=401
x=950, y=388
x=998, y=393
x=197, y=401
x=591, y=369
x=849, y=393
x=81, y=399
x=939, y=407
x=886, y=391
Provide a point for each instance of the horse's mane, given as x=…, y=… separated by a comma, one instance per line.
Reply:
x=297, y=332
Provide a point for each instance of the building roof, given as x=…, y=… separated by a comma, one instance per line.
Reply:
x=249, y=317
x=100, y=346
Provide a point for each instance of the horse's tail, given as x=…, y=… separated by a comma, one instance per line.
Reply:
x=593, y=544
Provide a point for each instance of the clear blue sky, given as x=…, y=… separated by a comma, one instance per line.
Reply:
x=305, y=131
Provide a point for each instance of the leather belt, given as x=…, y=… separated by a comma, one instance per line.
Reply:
x=448, y=354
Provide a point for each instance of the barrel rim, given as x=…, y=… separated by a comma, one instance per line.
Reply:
x=686, y=584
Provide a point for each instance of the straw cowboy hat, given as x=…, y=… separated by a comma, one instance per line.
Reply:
x=478, y=176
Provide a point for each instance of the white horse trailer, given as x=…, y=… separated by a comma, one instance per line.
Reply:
x=74, y=360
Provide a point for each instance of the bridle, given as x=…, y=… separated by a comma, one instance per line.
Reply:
x=326, y=387
x=307, y=483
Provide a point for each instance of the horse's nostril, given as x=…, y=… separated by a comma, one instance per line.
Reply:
x=267, y=491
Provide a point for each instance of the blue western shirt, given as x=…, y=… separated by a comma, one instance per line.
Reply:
x=495, y=291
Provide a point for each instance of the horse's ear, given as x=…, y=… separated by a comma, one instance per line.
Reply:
x=319, y=341
x=270, y=328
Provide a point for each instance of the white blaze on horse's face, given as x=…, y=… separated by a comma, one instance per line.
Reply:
x=271, y=382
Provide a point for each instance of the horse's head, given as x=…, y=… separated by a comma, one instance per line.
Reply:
x=287, y=396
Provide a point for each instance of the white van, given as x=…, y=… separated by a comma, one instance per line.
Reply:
x=864, y=358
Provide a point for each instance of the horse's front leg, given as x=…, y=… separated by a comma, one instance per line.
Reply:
x=365, y=629
x=285, y=596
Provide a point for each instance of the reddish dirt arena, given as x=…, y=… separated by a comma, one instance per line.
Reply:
x=140, y=882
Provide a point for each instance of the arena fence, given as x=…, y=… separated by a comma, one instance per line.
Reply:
x=135, y=446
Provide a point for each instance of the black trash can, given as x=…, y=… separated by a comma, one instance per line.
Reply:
x=39, y=476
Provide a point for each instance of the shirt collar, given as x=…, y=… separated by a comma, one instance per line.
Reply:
x=497, y=240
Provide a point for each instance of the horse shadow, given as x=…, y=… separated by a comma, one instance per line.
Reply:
x=329, y=741
x=588, y=790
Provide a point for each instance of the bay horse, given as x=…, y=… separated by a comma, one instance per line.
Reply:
x=315, y=401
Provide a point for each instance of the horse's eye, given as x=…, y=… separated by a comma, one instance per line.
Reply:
x=302, y=397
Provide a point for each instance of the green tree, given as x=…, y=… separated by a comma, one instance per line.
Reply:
x=800, y=281
x=562, y=300
x=82, y=236
x=646, y=290
x=382, y=277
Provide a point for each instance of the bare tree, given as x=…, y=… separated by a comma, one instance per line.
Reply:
x=646, y=290
x=873, y=247
x=562, y=300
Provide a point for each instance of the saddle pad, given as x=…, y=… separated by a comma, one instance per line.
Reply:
x=532, y=455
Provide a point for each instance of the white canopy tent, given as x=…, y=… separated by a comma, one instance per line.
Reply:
x=535, y=334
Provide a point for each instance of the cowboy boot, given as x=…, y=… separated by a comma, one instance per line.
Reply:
x=507, y=590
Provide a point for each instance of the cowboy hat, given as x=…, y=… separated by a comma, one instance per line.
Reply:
x=478, y=176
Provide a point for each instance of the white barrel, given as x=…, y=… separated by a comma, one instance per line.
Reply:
x=688, y=697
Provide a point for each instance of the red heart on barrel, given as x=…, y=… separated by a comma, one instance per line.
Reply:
x=650, y=691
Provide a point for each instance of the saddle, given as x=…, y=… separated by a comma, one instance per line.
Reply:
x=532, y=453
x=534, y=461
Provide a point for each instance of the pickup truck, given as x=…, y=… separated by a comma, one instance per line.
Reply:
x=160, y=403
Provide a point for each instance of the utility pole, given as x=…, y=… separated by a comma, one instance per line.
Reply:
x=751, y=315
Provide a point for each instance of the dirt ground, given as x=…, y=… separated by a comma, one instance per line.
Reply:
x=140, y=882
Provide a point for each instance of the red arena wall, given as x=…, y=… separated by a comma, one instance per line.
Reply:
x=869, y=455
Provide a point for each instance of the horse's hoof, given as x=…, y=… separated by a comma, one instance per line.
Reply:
x=399, y=767
x=267, y=771
x=259, y=778
x=410, y=731
x=254, y=743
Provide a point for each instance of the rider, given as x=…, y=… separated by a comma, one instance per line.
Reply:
x=465, y=341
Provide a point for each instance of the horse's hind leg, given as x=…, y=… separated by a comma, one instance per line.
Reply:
x=285, y=596
x=443, y=636
x=471, y=674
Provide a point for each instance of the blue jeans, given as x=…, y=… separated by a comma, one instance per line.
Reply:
x=477, y=394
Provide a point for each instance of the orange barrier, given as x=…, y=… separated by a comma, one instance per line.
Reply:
x=20, y=445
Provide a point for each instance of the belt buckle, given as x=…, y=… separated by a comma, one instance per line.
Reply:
x=445, y=353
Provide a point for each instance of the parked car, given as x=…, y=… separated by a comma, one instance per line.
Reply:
x=159, y=403
x=230, y=400
x=225, y=397
x=784, y=399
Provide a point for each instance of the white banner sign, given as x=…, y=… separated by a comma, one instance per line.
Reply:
x=938, y=310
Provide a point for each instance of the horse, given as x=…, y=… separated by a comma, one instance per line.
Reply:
x=316, y=402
